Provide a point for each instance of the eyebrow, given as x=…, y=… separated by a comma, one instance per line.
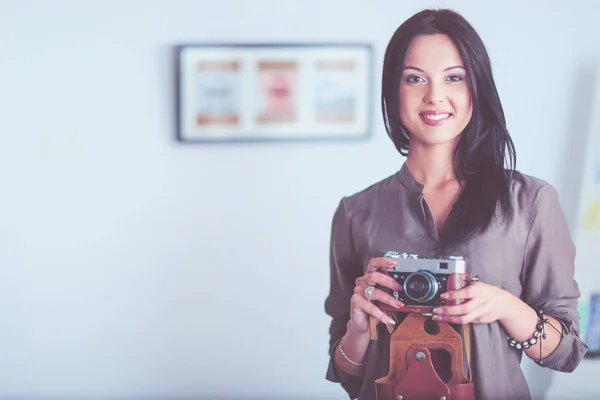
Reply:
x=447, y=69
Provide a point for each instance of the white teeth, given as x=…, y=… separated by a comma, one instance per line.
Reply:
x=436, y=117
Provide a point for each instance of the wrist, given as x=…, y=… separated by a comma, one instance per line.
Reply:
x=512, y=308
x=351, y=350
x=355, y=332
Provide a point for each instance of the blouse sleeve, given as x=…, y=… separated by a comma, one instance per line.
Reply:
x=548, y=277
x=345, y=268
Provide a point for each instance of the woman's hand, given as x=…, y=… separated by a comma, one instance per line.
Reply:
x=361, y=308
x=484, y=304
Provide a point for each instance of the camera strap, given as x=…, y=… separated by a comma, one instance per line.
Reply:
x=466, y=334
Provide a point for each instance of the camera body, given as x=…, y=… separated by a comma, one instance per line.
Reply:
x=423, y=281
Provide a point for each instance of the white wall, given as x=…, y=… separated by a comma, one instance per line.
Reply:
x=135, y=267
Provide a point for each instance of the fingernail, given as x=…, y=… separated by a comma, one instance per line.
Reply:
x=391, y=321
x=436, y=318
x=437, y=310
x=391, y=263
x=444, y=295
x=399, y=305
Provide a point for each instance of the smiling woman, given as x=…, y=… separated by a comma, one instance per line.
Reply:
x=457, y=194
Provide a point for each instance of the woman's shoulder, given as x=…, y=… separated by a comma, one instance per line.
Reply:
x=526, y=182
x=375, y=192
x=527, y=189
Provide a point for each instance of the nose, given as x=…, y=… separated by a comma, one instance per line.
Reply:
x=435, y=94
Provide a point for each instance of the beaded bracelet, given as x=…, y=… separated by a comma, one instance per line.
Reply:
x=538, y=336
x=348, y=358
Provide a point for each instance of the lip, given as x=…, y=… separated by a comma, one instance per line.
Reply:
x=434, y=122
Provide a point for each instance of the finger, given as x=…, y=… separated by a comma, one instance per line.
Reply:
x=378, y=278
x=372, y=309
x=461, y=319
x=380, y=262
x=381, y=296
x=455, y=319
x=462, y=309
x=472, y=316
x=468, y=292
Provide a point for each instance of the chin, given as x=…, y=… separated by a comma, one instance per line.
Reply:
x=436, y=140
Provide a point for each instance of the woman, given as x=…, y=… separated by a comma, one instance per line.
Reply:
x=453, y=196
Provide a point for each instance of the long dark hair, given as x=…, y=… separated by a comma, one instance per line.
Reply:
x=485, y=144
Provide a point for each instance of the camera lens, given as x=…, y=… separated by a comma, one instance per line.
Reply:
x=420, y=286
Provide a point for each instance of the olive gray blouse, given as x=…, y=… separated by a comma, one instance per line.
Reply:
x=529, y=253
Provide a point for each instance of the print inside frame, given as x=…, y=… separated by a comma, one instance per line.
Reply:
x=587, y=231
x=273, y=92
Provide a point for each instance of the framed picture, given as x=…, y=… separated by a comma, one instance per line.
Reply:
x=275, y=92
x=587, y=230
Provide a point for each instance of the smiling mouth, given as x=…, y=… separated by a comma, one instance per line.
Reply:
x=435, y=119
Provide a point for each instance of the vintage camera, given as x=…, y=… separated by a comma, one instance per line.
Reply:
x=423, y=281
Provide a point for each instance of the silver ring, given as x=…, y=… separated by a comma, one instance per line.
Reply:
x=474, y=279
x=369, y=292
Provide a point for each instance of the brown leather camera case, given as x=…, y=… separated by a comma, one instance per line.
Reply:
x=425, y=366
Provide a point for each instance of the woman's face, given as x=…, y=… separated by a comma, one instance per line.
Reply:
x=435, y=100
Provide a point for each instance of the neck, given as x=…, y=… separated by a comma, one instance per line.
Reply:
x=432, y=166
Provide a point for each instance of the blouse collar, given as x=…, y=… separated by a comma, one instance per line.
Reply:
x=408, y=181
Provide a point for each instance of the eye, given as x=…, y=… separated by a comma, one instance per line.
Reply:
x=414, y=79
x=455, y=78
